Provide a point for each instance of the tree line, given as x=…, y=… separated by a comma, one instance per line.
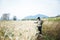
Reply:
x=7, y=17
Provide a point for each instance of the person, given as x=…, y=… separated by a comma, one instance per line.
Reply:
x=39, y=25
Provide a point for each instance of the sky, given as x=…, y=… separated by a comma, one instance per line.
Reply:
x=22, y=8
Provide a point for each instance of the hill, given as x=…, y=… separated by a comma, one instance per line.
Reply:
x=35, y=16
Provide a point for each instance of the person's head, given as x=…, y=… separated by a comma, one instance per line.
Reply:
x=38, y=18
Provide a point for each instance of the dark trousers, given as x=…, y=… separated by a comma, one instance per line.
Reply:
x=40, y=29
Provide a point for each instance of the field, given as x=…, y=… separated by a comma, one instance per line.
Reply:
x=26, y=30
x=17, y=30
x=51, y=30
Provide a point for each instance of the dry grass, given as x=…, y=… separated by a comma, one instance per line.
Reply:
x=18, y=30
x=51, y=30
x=26, y=30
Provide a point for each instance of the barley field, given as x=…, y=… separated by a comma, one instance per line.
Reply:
x=26, y=30
x=17, y=30
x=51, y=30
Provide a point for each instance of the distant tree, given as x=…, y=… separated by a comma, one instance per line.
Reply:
x=58, y=16
x=14, y=18
x=5, y=17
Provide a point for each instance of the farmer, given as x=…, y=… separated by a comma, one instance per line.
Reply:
x=39, y=25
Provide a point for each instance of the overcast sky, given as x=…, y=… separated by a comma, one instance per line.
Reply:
x=22, y=8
